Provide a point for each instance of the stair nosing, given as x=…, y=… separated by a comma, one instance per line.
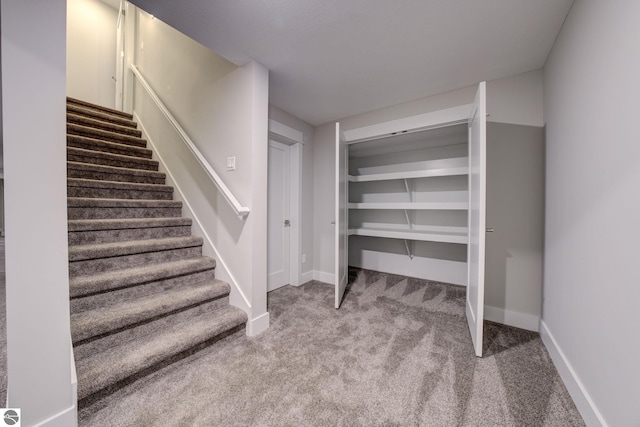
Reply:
x=80, y=225
x=124, y=362
x=117, y=185
x=115, y=156
x=100, y=115
x=145, y=308
x=79, y=128
x=107, y=110
x=131, y=247
x=78, y=119
x=117, y=170
x=82, y=286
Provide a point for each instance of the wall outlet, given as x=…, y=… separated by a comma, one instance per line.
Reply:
x=304, y=258
x=231, y=163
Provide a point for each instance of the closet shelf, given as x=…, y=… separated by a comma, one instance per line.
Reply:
x=454, y=206
x=463, y=170
x=421, y=235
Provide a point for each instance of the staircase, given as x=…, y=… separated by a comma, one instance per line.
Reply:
x=142, y=294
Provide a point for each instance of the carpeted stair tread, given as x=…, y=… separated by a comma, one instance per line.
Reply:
x=94, y=183
x=108, y=368
x=103, y=158
x=81, y=187
x=91, y=132
x=106, y=110
x=99, y=115
x=112, y=173
x=99, y=144
x=125, y=223
x=91, y=284
x=104, y=125
x=91, y=202
x=114, y=249
x=108, y=318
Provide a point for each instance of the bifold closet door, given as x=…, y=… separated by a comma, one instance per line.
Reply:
x=477, y=217
x=341, y=217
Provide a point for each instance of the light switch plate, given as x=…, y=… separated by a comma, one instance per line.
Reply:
x=231, y=163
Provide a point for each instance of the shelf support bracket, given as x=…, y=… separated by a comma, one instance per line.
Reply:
x=406, y=185
x=409, y=251
x=406, y=215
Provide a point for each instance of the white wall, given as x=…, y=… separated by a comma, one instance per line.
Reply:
x=91, y=51
x=33, y=97
x=224, y=110
x=306, y=215
x=515, y=100
x=590, y=313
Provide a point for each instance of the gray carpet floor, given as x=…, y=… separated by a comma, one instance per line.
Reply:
x=397, y=353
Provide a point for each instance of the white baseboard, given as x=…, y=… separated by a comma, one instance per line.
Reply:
x=322, y=276
x=511, y=318
x=587, y=408
x=257, y=325
x=306, y=277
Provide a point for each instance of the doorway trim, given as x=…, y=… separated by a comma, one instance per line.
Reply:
x=282, y=133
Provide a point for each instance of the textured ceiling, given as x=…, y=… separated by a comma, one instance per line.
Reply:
x=330, y=59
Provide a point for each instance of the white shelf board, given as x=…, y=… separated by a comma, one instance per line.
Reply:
x=410, y=174
x=456, y=206
x=421, y=235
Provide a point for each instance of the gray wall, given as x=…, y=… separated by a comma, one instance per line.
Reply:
x=224, y=110
x=515, y=209
x=37, y=282
x=591, y=280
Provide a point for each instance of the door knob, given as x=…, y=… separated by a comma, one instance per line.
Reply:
x=287, y=223
x=489, y=230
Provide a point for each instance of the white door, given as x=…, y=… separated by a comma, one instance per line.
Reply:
x=119, y=75
x=341, y=217
x=477, y=212
x=278, y=220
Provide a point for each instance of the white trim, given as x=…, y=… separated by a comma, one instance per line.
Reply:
x=290, y=134
x=258, y=325
x=65, y=418
x=577, y=390
x=198, y=228
x=512, y=318
x=436, y=119
x=241, y=211
x=322, y=276
x=305, y=277
x=295, y=212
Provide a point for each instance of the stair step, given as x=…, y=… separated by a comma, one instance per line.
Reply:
x=111, y=173
x=83, y=286
x=104, y=125
x=106, y=110
x=82, y=155
x=107, y=370
x=91, y=231
x=79, y=187
x=103, y=257
x=99, y=115
x=93, y=144
x=134, y=333
x=105, y=135
x=94, y=208
x=102, y=320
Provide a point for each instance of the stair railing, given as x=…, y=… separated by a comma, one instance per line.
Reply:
x=241, y=211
